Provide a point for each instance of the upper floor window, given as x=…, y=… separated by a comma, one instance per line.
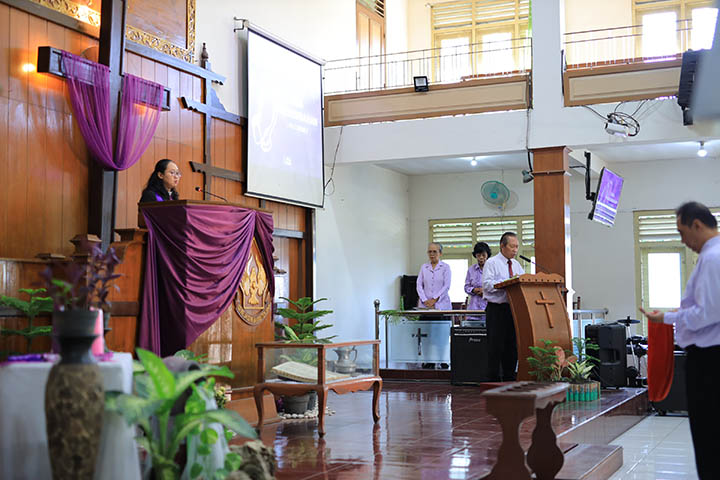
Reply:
x=479, y=37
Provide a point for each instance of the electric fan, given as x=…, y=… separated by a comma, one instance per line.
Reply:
x=495, y=193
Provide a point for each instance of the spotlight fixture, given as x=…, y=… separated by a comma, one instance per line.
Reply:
x=527, y=176
x=473, y=162
x=421, y=83
x=28, y=67
x=701, y=151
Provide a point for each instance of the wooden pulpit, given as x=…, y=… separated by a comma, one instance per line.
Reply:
x=539, y=313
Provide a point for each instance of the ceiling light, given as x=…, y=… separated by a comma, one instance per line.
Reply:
x=701, y=151
x=473, y=162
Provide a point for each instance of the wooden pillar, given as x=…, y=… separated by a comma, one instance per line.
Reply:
x=552, y=211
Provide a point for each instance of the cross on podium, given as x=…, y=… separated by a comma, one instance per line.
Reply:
x=419, y=336
x=545, y=302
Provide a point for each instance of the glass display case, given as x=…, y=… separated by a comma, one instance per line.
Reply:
x=293, y=369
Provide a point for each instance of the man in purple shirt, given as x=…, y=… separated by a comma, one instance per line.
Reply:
x=697, y=330
x=473, y=279
x=433, y=282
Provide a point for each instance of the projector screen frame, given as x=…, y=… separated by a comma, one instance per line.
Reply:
x=252, y=28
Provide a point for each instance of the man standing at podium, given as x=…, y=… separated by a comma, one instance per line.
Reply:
x=502, y=340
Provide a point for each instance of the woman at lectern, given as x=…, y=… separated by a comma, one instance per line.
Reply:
x=473, y=279
x=433, y=281
x=162, y=184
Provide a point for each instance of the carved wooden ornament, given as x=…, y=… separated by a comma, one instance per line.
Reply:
x=252, y=300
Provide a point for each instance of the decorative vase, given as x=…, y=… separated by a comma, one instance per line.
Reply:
x=74, y=398
x=583, y=392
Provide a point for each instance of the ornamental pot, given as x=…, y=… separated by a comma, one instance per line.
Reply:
x=74, y=398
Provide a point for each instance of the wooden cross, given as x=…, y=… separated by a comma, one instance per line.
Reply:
x=211, y=107
x=419, y=336
x=546, y=303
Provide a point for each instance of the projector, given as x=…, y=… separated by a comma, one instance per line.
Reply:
x=617, y=129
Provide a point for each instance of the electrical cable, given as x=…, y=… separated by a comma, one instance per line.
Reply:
x=331, y=180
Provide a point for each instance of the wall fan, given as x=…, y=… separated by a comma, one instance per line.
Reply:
x=495, y=193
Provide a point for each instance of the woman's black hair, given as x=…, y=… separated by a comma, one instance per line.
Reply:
x=155, y=182
x=482, y=247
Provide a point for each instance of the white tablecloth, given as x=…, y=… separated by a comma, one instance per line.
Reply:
x=23, y=438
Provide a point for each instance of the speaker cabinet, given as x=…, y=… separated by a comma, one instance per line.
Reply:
x=612, y=354
x=408, y=291
x=676, y=401
x=468, y=355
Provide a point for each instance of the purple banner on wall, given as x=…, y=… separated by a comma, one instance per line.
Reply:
x=196, y=256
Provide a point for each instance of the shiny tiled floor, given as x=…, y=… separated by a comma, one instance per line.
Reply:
x=657, y=448
x=426, y=431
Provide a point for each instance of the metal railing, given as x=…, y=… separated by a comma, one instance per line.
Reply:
x=440, y=65
x=630, y=44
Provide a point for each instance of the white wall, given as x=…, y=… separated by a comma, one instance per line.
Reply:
x=323, y=28
x=361, y=241
x=396, y=26
x=581, y=15
x=603, y=259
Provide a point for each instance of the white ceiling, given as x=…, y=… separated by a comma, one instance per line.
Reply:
x=430, y=166
x=618, y=153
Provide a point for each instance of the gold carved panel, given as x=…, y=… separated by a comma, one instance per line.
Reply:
x=252, y=300
x=167, y=26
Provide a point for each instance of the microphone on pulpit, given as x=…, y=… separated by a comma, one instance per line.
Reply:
x=198, y=189
x=538, y=266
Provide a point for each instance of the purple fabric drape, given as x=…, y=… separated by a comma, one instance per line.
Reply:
x=139, y=117
x=195, y=260
x=89, y=86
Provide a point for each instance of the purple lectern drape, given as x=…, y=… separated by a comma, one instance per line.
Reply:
x=195, y=260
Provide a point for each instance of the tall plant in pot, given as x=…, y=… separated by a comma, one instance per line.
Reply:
x=582, y=387
x=303, y=325
x=74, y=400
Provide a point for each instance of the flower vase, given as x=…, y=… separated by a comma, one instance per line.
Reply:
x=74, y=398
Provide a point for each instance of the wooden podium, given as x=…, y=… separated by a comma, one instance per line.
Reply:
x=539, y=313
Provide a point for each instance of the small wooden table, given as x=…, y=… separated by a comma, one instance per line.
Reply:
x=327, y=379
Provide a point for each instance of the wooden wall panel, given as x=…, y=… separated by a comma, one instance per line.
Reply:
x=45, y=204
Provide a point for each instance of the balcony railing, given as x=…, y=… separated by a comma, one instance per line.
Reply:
x=631, y=44
x=440, y=65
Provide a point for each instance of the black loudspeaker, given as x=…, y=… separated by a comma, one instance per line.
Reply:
x=677, y=397
x=408, y=291
x=468, y=355
x=612, y=354
x=688, y=69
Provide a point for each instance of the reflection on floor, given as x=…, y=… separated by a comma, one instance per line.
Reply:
x=429, y=431
x=657, y=448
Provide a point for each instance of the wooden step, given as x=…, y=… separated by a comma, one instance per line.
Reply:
x=591, y=462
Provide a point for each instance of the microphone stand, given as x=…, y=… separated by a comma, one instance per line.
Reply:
x=198, y=189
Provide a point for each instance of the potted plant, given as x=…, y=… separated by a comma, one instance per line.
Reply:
x=157, y=391
x=582, y=388
x=303, y=325
x=547, y=362
x=31, y=308
x=74, y=390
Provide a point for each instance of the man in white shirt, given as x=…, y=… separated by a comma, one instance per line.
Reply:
x=502, y=342
x=697, y=330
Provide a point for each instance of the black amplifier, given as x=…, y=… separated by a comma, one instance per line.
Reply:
x=468, y=355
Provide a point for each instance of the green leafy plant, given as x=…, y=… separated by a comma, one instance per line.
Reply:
x=579, y=371
x=546, y=362
x=306, y=321
x=31, y=308
x=157, y=390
